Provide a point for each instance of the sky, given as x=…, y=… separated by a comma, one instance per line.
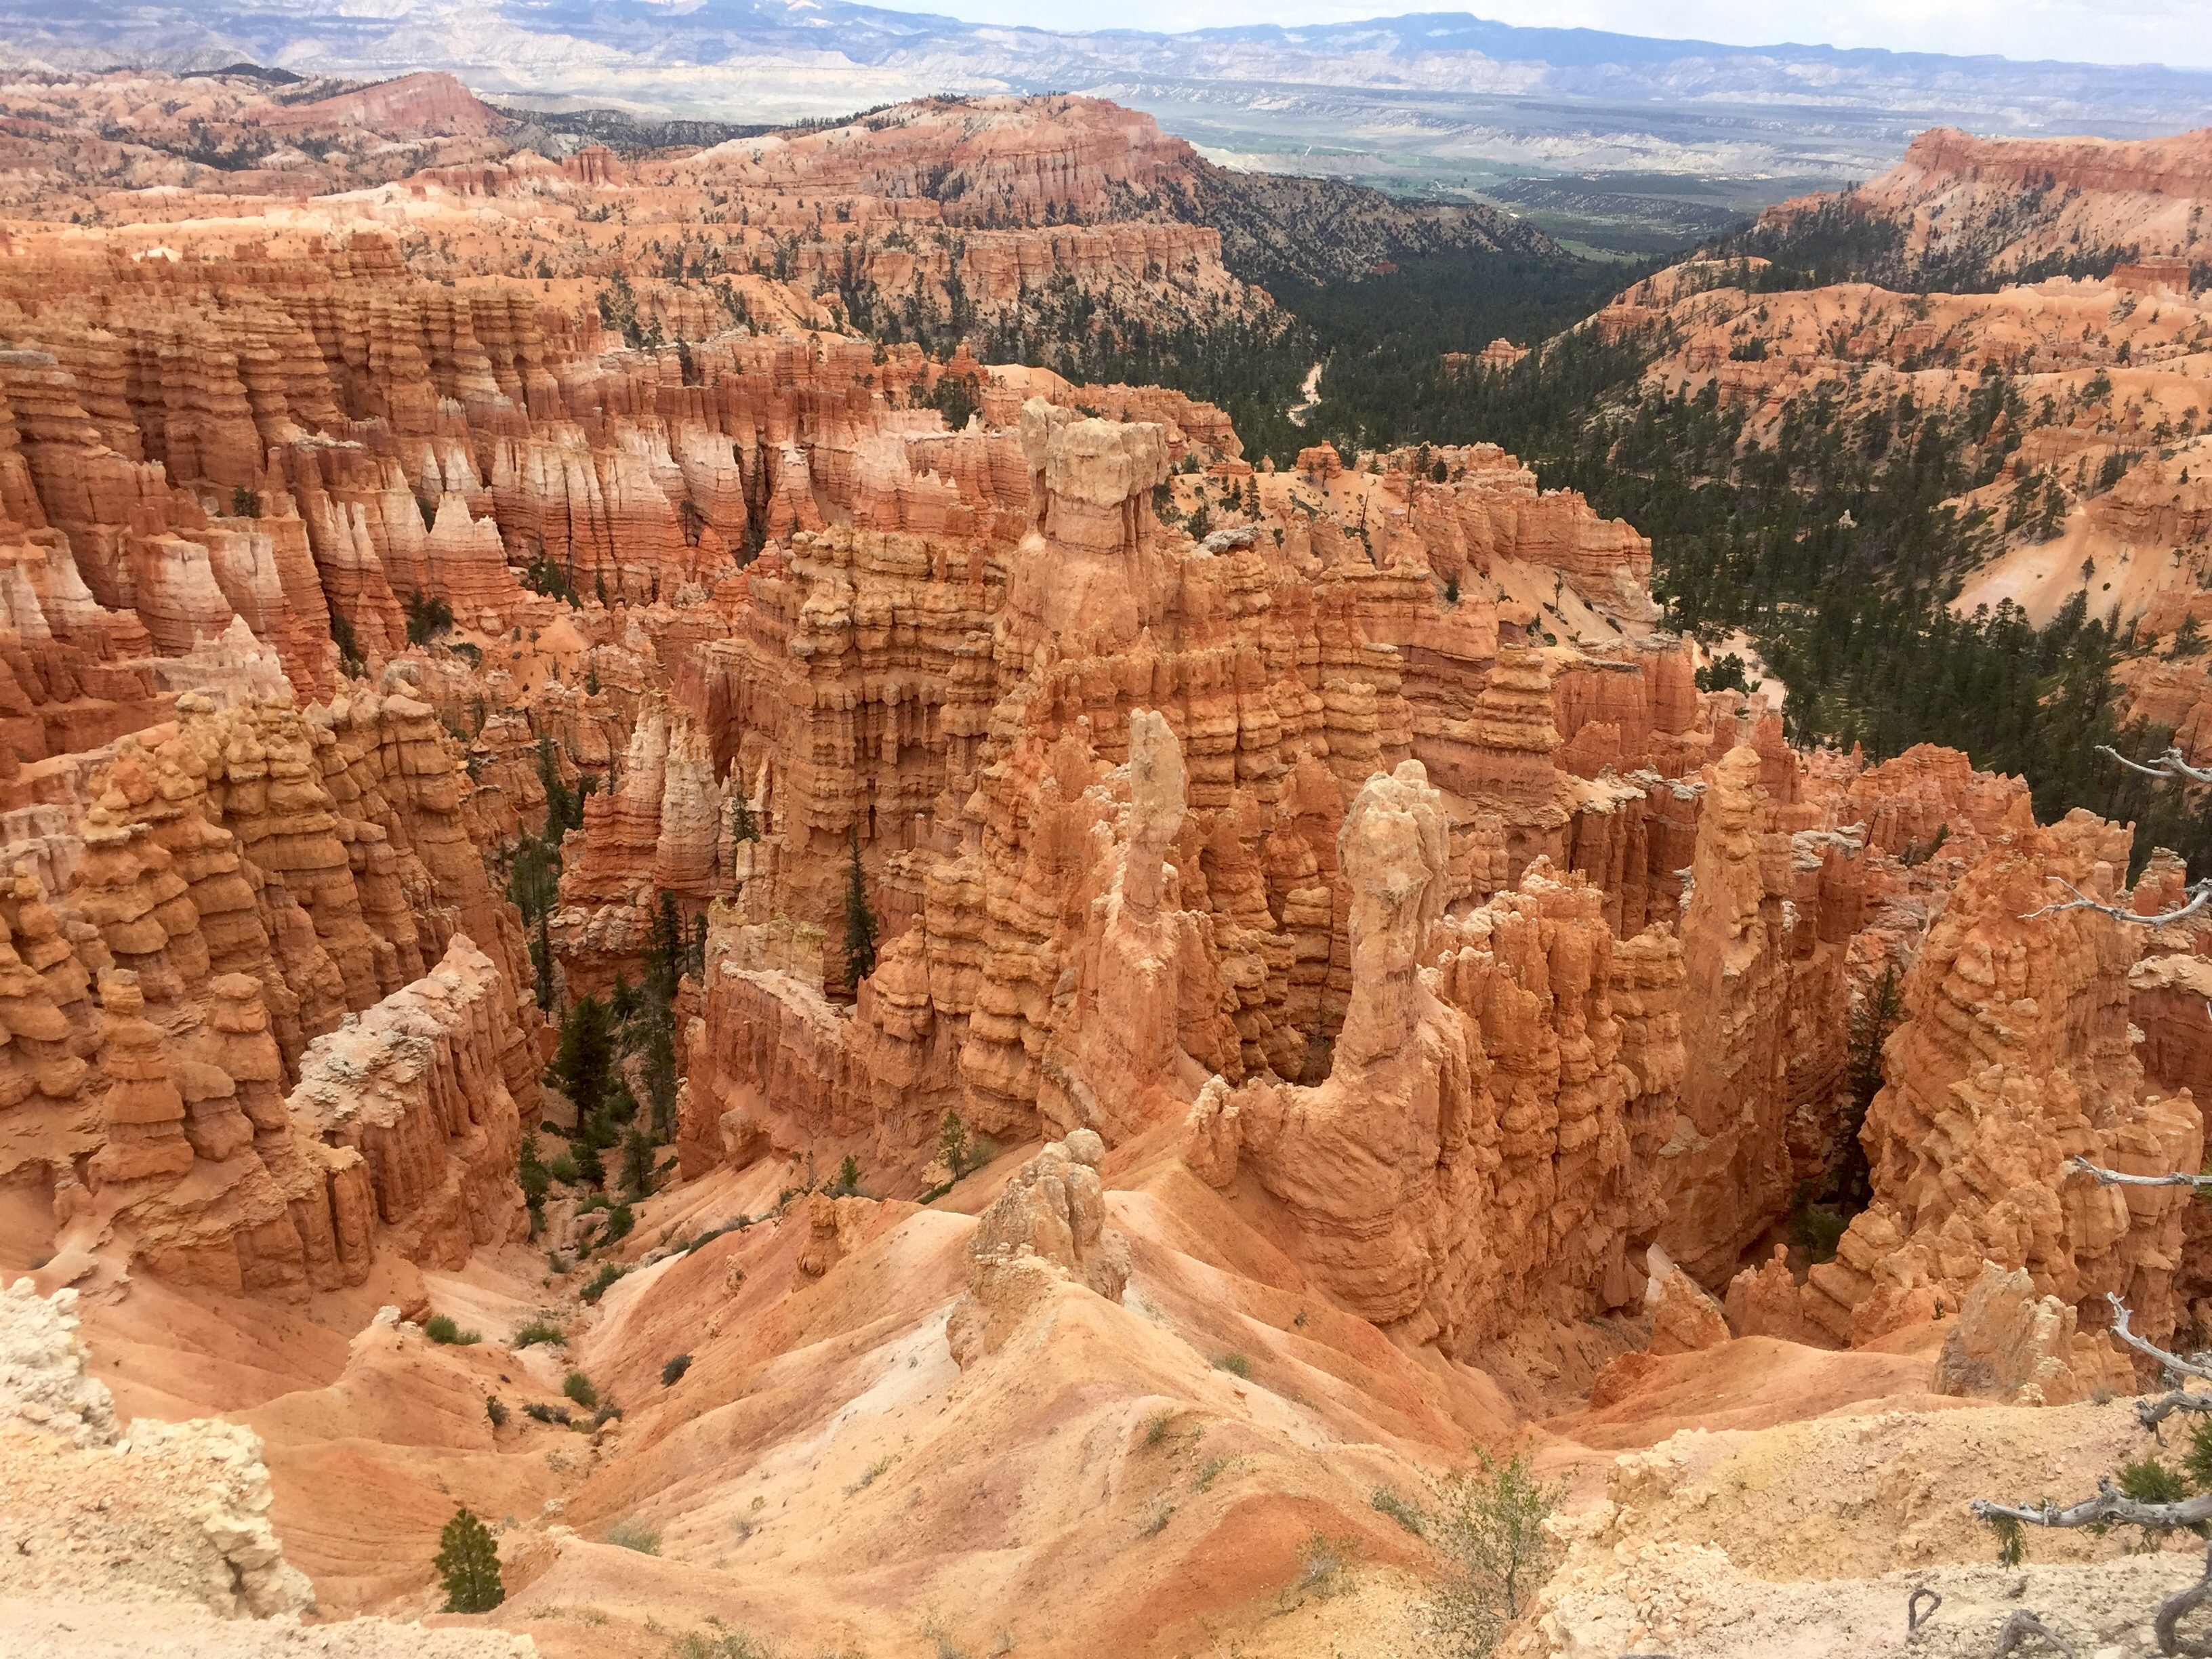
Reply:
x=2176, y=32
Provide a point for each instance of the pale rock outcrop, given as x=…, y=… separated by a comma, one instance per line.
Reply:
x=172, y=1511
x=2011, y=1345
x=1048, y=1227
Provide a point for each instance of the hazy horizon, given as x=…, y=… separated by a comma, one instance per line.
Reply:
x=2148, y=31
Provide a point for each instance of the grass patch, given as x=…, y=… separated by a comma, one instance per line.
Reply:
x=630, y=1534
x=1400, y=1510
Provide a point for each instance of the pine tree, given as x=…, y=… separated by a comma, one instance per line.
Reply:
x=742, y=827
x=859, y=921
x=468, y=1561
x=585, y=1061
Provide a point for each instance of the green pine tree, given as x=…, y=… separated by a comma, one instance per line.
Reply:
x=468, y=1561
x=859, y=921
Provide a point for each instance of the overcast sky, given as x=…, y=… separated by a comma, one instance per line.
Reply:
x=2177, y=31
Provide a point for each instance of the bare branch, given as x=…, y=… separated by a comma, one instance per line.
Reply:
x=2198, y=1366
x=2110, y=1506
x=2172, y=765
x=2114, y=1178
x=2025, y=1626
x=1913, y=1616
x=2174, y=1608
x=2150, y=1412
x=2200, y=894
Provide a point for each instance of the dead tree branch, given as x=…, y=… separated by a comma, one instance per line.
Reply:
x=2172, y=765
x=2197, y=1366
x=2025, y=1626
x=2200, y=895
x=2115, y=1178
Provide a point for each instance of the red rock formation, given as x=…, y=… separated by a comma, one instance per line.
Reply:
x=2015, y=1058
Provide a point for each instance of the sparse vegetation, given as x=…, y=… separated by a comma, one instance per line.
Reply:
x=538, y=1330
x=441, y=1329
x=630, y=1534
x=578, y=1386
x=1234, y=1363
x=468, y=1561
x=672, y=1372
x=495, y=1410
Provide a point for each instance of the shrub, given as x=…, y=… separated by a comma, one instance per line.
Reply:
x=539, y=1413
x=1489, y=1527
x=1157, y=1519
x=562, y=1169
x=1208, y=1472
x=578, y=1386
x=608, y=1271
x=619, y=1222
x=633, y=1535
x=244, y=503
x=1324, y=1566
x=848, y=1178
x=442, y=1329
x=1155, y=1430
x=1234, y=1363
x=496, y=1411
x=538, y=1330
x=672, y=1372
x=468, y=1561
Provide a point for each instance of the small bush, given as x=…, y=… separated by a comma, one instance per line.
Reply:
x=1155, y=1430
x=496, y=1411
x=538, y=1330
x=539, y=1413
x=1489, y=1527
x=1156, y=1518
x=722, y=1645
x=634, y=1534
x=1208, y=1472
x=619, y=1222
x=562, y=1169
x=1324, y=1566
x=468, y=1561
x=1234, y=1363
x=672, y=1372
x=578, y=1386
x=1401, y=1511
x=870, y=1475
x=608, y=1271
x=442, y=1329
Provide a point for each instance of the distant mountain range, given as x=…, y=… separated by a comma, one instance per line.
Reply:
x=1439, y=99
